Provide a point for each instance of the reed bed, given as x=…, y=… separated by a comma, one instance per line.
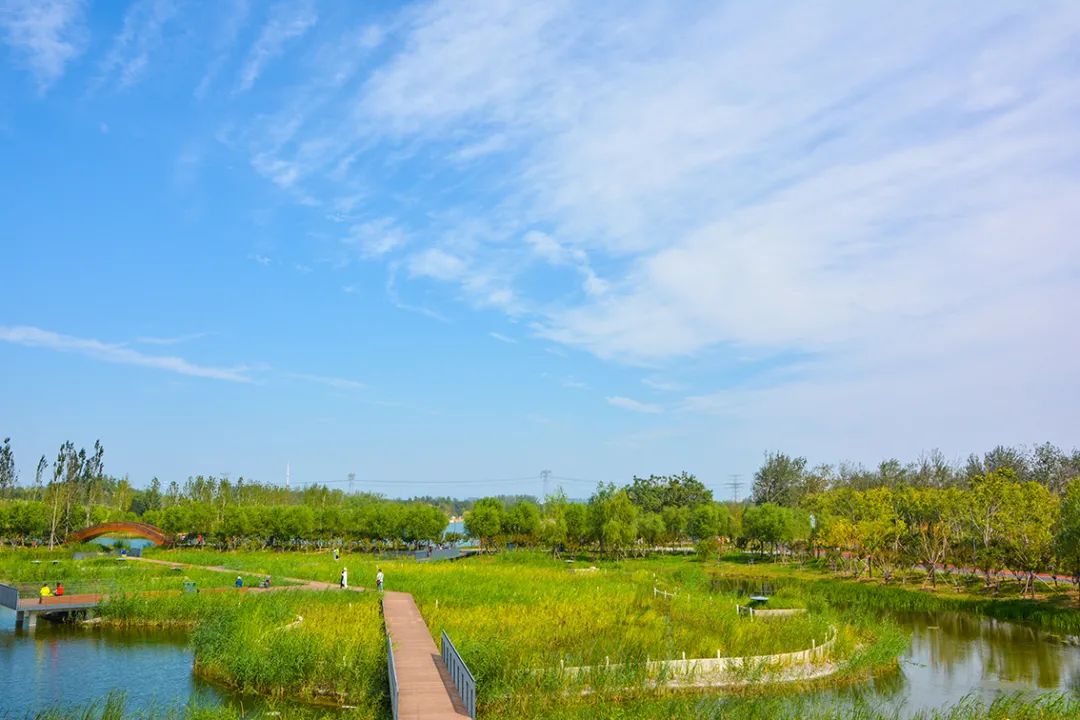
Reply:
x=518, y=618
x=1008, y=707
x=1056, y=614
x=314, y=646
x=29, y=569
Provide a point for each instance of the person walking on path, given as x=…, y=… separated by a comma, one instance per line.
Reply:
x=44, y=592
x=344, y=578
x=59, y=589
x=378, y=580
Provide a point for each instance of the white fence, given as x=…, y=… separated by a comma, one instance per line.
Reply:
x=717, y=666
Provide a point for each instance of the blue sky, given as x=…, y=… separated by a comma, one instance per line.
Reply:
x=439, y=243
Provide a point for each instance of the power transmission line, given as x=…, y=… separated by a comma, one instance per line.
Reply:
x=482, y=481
x=735, y=483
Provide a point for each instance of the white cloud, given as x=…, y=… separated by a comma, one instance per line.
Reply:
x=263, y=260
x=139, y=37
x=503, y=338
x=115, y=353
x=227, y=32
x=771, y=181
x=626, y=403
x=45, y=34
x=334, y=382
x=375, y=238
x=661, y=385
x=177, y=340
x=437, y=264
x=287, y=22
x=481, y=148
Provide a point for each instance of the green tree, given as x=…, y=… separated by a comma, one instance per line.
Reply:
x=577, y=525
x=933, y=523
x=767, y=525
x=676, y=520
x=1067, y=535
x=484, y=522
x=990, y=498
x=780, y=480
x=613, y=519
x=704, y=522
x=656, y=492
x=522, y=522
x=1029, y=532
x=8, y=477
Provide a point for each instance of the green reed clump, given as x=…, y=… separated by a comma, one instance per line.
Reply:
x=1058, y=618
x=166, y=610
x=28, y=568
x=314, y=646
x=642, y=706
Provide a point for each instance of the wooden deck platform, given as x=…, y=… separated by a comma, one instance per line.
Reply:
x=425, y=690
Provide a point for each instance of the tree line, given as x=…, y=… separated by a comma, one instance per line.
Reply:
x=1015, y=509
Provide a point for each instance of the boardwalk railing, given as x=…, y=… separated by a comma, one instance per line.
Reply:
x=392, y=673
x=460, y=674
x=9, y=596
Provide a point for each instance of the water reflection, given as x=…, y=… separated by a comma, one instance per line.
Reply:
x=69, y=665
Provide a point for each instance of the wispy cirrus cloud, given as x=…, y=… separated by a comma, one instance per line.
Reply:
x=375, y=238
x=29, y=336
x=287, y=21
x=139, y=37
x=676, y=191
x=632, y=405
x=337, y=383
x=45, y=34
x=174, y=340
x=228, y=31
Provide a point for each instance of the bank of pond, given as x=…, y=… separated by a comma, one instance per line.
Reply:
x=544, y=638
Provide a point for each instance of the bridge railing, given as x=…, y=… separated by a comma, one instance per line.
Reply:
x=460, y=674
x=9, y=596
x=392, y=673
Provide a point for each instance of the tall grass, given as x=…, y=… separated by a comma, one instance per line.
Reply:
x=28, y=569
x=1047, y=615
x=517, y=618
x=630, y=707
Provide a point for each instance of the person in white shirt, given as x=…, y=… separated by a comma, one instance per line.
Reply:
x=379, y=580
x=344, y=578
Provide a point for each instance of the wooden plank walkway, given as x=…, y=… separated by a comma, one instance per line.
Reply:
x=425, y=690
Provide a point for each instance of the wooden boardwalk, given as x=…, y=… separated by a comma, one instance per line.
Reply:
x=425, y=690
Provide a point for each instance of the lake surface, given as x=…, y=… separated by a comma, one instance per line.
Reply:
x=951, y=656
x=956, y=655
x=69, y=665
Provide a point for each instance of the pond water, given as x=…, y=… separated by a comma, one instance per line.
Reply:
x=951, y=656
x=956, y=655
x=68, y=665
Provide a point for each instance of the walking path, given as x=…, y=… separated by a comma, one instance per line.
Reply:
x=425, y=690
